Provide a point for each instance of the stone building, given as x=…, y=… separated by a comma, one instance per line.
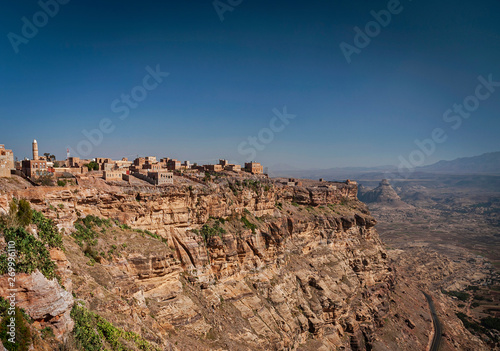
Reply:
x=156, y=178
x=173, y=165
x=113, y=174
x=6, y=161
x=233, y=168
x=35, y=167
x=162, y=177
x=254, y=168
x=123, y=163
x=75, y=162
x=150, y=160
x=153, y=167
x=213, y=168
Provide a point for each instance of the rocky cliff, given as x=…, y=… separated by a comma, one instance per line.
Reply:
x=237, y=264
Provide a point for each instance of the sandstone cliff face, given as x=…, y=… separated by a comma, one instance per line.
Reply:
x=310, y=272
x=45, y=301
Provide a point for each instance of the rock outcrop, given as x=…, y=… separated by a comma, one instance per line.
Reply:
x=45, y=301
x=383, y=195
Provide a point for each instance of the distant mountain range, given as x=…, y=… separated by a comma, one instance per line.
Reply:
x=488, y=163
x=485, y=163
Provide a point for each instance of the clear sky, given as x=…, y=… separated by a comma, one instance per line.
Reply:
x=226, y=78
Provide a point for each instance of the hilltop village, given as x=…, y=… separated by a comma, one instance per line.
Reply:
x=46, y=169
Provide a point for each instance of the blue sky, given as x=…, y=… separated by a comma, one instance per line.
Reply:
x=226, y=77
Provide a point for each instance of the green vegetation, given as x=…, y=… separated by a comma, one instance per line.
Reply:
x=24, y=212
x=153, y=235
x=462, y=296
x=468, y=323
x=92, y=166
x=485, y=328
x=94, y=333
x=32, y=253
x=86, y=229
x=22, y=334
x=472, y=288
x=234, y=187
x=208, y=231
x=47, y=332
x=45, y=180
x=491, y=323
x=255, y=185
x=47, y=230
x=248, y=224
x=125, y=227
x=207, y=177
x=61, y=182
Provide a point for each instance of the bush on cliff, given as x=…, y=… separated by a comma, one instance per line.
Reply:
x=94, y=333
x=208, y=231
x=22, y=331
x=47, y=230
x=85, y=229
x=248, y=224
x=31, y=254
x=24, y=212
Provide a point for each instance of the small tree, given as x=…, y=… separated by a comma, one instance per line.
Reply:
x=92, y=166
x=45, y=180
x=24, y=212
x=207, y=177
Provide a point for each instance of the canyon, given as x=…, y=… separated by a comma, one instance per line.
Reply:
x=238, y=263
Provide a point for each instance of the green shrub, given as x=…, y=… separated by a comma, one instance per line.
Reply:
x=472, y=288
x=208, y=231
x=157, y=237
x=471, y=325
x=32, y=254
x=491, y=323
x=23, y=334
x=248, y=224
x=24, y=212
x=47, y=230
x=93, y=332
x=92, y=166
x=86, y=229
x=47, y=332
x=462, y=296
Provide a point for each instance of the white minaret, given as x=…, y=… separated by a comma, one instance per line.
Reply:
x=35, y=150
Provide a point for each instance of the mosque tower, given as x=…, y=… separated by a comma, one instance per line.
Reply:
x=35, y=150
